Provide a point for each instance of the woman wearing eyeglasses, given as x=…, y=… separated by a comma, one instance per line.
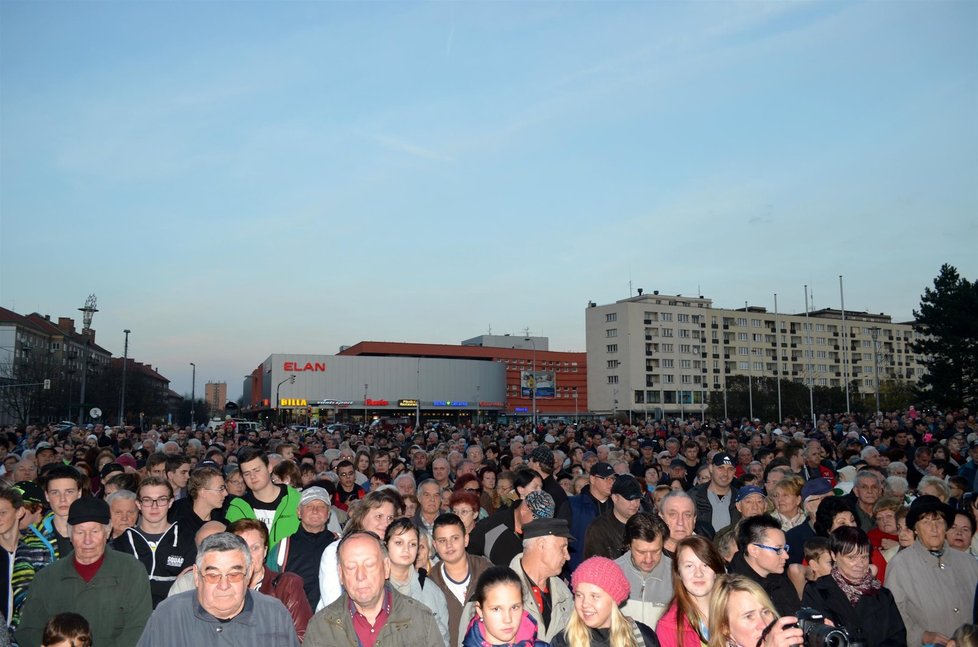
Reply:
x=851, y=596
x=762, y=555
x=206, y=494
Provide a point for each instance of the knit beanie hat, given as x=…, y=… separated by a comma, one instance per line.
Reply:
x=605, y=574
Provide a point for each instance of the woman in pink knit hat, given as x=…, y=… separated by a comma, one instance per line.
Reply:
x=600, y=588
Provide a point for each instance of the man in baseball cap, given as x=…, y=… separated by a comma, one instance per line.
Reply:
x=715, y=500
x=606, y=535
x=121, y=603
x=581, y=509
x=301, y=552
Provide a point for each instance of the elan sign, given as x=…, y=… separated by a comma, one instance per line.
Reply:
x=299, y=367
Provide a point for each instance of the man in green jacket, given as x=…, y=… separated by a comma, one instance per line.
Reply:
x=274, y=505
x=108, y=588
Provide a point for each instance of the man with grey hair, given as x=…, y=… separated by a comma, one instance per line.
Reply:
x=222, y=609
x=867, y=491
x=370, y=611
x=538, y=566
x=429, y=504
x=108, y=588
x=405, y=484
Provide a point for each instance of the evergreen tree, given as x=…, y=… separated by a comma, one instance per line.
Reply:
x=948, y=322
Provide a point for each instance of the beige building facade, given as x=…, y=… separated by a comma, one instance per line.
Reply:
x=668, y=352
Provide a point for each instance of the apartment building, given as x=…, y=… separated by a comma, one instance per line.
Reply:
x=667, y=352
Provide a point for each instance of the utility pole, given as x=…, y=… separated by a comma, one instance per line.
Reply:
x=875, y=331
x=193, y=390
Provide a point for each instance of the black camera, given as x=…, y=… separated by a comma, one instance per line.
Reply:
x=818, y=634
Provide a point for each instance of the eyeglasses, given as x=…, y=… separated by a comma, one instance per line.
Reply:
x=346, y=474
x=776, y=549
x=223, y=488
x=154, y=503
x=233, y=578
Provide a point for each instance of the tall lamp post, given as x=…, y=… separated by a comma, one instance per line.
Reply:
x=87, y=313
x=193, y=393
x=875, y=331
x=533, y=381
x=576, y=418
x=125, y=361
x=278, y=402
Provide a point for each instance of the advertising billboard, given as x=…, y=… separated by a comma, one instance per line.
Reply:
x=545, y=383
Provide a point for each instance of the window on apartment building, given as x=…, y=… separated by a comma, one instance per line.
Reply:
x=819, y=327
x=758, y=366
x=611, y=316
x=684, y=333
x=741, y=321
x=685, y=348
x=611, y=332
x=640, y=397
x=666, y=316
x=686, y=379
x=682, y=318
x=667, y=332
x=742, y=336
x=667, y=363
x=612, y=379
x=612, y=348
x=743, y=366
x=667, y=348
x=613, y=363
x=685, y=363
x=755, y=323
x=669, y=379
x=743, y=350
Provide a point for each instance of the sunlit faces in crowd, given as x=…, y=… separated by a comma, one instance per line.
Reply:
x=499, y=605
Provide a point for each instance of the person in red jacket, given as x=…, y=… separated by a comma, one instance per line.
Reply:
x=287, y=587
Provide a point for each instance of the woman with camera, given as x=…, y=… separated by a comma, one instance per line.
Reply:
x=742, y=615
x=851, y=597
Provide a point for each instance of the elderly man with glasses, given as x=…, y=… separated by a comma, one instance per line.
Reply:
x=222, y=610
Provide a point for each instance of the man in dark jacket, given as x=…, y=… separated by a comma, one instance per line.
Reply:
x=606, y=536
x=581, y=509
x=762, y=556
x=499, y=537
x=715, y=501
x=162, y=547
x=301, y=552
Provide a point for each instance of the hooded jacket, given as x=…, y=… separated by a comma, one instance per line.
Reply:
x=526, y=635
x=174, y=552
x=286, y=520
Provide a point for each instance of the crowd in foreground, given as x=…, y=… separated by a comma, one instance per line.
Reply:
x=603, y=534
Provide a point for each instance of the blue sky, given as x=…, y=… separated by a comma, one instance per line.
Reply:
x=234, y=179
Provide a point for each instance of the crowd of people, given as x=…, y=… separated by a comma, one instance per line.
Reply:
x=599, y=534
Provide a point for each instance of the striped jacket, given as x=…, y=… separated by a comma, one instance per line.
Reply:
x=37, y=548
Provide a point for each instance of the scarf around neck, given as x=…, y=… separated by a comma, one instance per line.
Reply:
x=868, y=585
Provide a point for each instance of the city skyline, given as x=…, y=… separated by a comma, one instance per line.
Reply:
x=236, y=180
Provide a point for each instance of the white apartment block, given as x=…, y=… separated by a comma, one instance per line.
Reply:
x=669, y=351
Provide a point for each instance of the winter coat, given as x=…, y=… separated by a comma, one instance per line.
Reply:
x=286, y=520
x=287, y=588
x=643, y=635
x=477, y=565
x=427, y=593
x=875, y=617
x=666, y=630
x=526, y=635
x=116, y=602
x=650, y=592
x=704, y=509
x=410, y=624
x=579, y=511
x=174, y=552
x=777, y=586
x=932, y=593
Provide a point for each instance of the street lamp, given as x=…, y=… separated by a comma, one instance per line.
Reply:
x=533, y=381
x=365, y=387
x=125, y=360
x=875, y=331
x=278, y=402
x=193, y=393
